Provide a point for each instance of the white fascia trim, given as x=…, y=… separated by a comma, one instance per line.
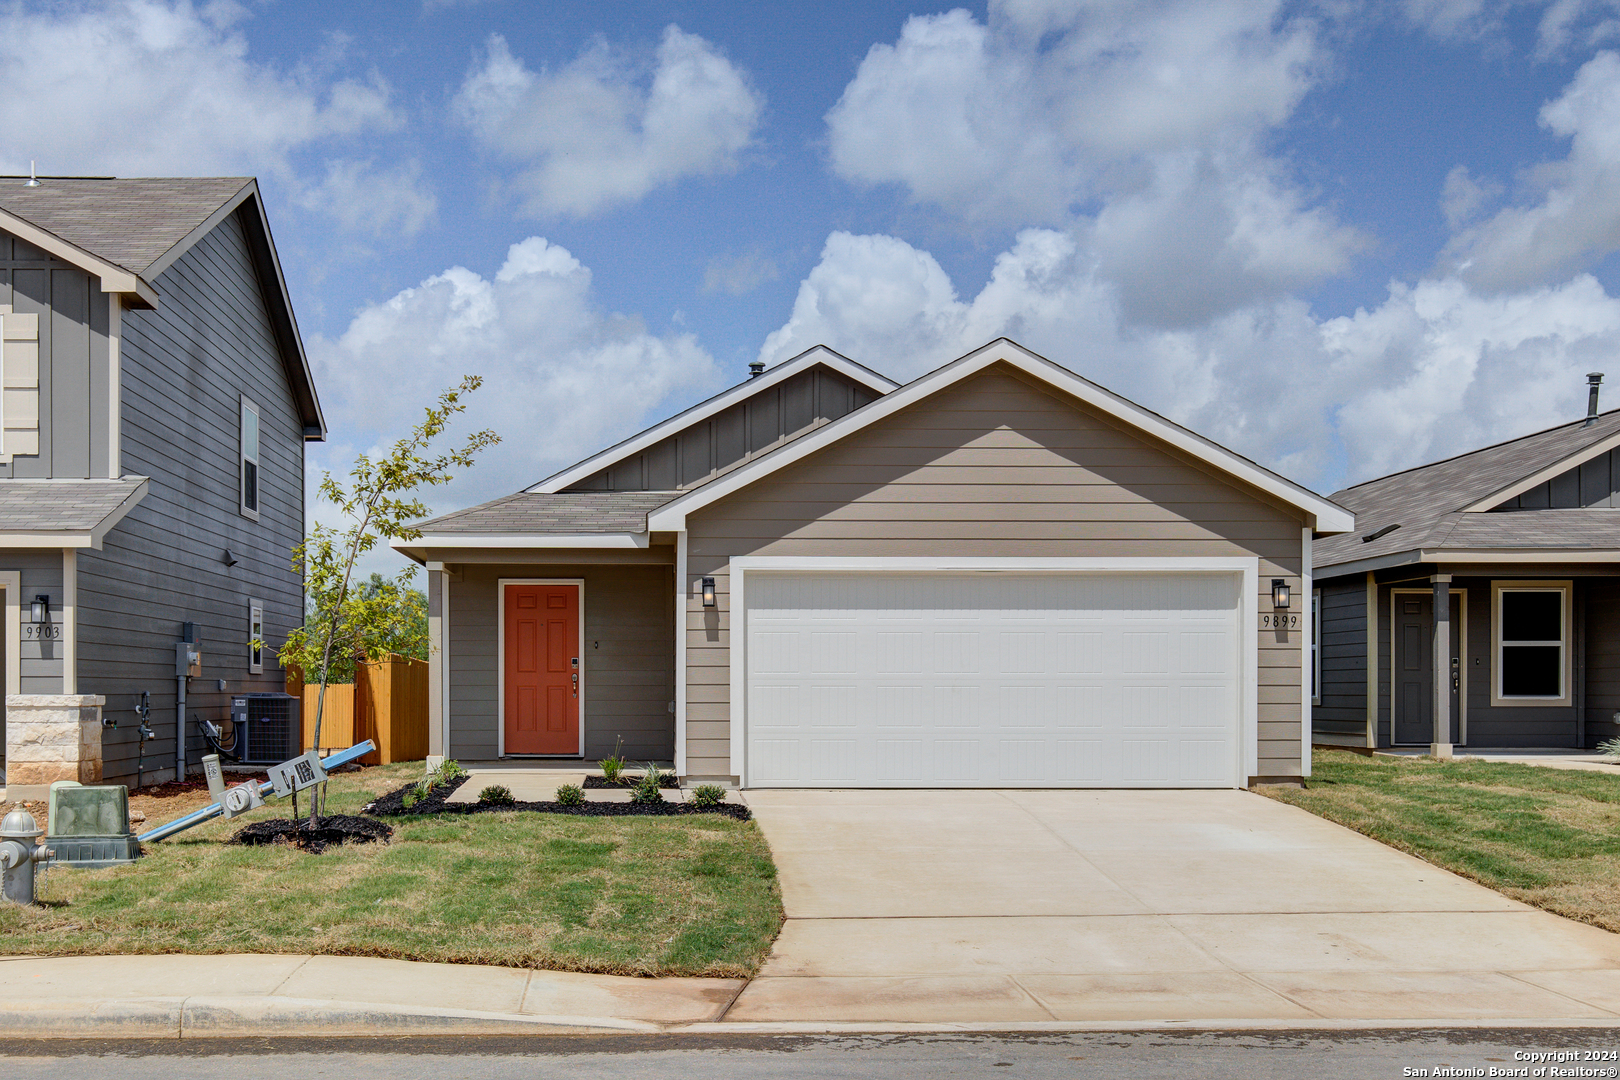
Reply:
x=1307, y=653
x=1247, y=568
x=114, y=278
x=105, y=525
x=682, y=595
x=1557, y=468
x=1328, y=517
x=1373, y=562
x=702, y=411
x=523, y=540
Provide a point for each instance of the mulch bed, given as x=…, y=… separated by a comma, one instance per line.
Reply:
x=668, y=780
x=335, y=829
x=393, y=805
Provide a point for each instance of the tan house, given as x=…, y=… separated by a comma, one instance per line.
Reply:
x=998, y=575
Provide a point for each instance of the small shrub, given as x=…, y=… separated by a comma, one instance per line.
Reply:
x=1610, y=748
x=497, y=795
x=411, y=797
x=613, y=764
x=571, y=795
x=647, y=788
x=451, y=770
x=707, y=795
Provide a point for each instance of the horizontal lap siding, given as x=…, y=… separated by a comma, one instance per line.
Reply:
x=1343, y=653
x=627, y=657
x=995, y=466
x=184, y=367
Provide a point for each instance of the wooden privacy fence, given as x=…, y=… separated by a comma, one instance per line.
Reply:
x=387, y=703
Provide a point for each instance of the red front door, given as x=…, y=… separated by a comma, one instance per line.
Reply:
x=541, y=711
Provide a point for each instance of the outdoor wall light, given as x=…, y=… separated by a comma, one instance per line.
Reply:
x=41, y=608
x=1279, y=594
x=708, y=592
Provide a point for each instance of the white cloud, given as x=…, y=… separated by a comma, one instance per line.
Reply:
x=142, y=87
x=1434, y=370
x=591, y=135
x=1135, y=125
x=563, y=379
x=739, y=274
x=1026, y=115
x=1576, y=220
x=363, y=197
x=1462, y=197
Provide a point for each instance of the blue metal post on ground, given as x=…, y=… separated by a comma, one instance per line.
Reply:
x=213, y=810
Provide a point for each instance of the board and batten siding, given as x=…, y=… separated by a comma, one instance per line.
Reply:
x=992, y=466
x=1342, y=652
x=734, y=436
x=56, y=422
x=627, y=655
x=185, y=367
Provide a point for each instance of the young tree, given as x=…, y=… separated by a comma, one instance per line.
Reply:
x=379, y=502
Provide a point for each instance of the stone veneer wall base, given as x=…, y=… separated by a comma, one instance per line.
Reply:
x=51, y=737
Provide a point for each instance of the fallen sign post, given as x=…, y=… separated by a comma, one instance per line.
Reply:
x=295, y=775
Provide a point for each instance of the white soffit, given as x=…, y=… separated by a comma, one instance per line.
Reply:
x=703, y=410
x=1541, y=476
x=1329, y=516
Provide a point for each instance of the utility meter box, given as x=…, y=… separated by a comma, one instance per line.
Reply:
x=89, y=826
x=187, y=659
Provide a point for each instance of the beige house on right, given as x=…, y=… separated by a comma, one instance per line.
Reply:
x=1517, y=546
x=997, y=575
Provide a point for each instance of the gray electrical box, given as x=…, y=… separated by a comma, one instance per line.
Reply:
x=187, y=659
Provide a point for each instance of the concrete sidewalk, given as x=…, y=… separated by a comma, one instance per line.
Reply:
x=169, y=996
x=1576, y=760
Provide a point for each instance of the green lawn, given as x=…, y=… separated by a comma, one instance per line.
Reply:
x=690, y=895
x=1548, y=837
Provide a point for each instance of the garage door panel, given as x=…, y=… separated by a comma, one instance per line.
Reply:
x=1005, y=680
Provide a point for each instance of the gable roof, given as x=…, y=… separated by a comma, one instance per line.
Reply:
x=1326, y=516
x=1439, y=507
x=128, y=231
x=705, y=409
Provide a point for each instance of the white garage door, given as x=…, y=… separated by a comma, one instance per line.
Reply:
x=991, y=680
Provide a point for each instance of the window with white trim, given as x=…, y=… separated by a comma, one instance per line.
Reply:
x=250, y=459
x=255, y=637
x=1531, y=632
x=1316, y=646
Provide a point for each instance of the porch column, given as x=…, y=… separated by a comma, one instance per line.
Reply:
x=438, y=678
x=1441, y=746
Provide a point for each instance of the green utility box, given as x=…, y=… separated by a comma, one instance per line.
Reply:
x=89, y=825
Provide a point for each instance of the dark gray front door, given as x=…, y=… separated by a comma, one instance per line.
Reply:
x=1414, y=668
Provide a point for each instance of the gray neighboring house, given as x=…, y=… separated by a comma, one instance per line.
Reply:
x=1518, y=546
x=155, y=408
x=999, y=574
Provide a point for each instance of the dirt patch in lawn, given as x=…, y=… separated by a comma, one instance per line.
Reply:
x=689, y=895
x=330, y=829
x=1548, y=837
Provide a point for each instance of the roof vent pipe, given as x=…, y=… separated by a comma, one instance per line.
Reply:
x=32, y=181
x=1592, y=381
x=756, y=369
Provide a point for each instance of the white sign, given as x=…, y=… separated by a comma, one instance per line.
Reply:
x=297, y=774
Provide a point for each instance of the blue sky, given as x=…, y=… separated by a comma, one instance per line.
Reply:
x=1341, y=238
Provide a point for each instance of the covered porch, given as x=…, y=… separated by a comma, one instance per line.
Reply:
x=1512, y=656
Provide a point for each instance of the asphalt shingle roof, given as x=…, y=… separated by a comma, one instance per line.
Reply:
x=1427, y=502
x=128, y=222
x=565, y=512
x=61, y=505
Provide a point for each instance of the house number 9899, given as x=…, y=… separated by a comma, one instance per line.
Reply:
x=1279, y=622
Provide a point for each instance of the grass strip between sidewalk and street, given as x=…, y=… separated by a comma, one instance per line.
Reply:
x=1547, y=837
x=693, y=895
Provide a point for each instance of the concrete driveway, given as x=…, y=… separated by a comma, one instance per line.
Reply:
x=1020, y=906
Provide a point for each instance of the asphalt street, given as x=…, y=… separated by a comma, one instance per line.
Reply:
x=1148, y=1056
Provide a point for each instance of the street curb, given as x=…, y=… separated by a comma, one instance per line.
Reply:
x=264, y=1015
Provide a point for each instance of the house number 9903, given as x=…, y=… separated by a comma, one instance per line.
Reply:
x=1279, y=622
x=42, y=631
